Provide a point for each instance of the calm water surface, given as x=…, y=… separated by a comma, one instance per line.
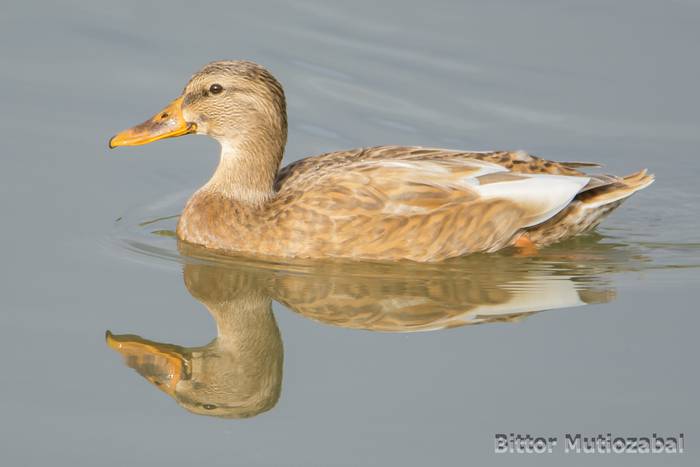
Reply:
x=230, y=361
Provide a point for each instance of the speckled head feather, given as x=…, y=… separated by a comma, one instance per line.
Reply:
x=249, y=76
x=248, y=99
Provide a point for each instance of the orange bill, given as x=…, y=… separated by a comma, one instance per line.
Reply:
x=163, y=365
x=167, y=123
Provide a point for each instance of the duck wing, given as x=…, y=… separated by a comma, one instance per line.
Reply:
x=422, y=204
x=515, y=161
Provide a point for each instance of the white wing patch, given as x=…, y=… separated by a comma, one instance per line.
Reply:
x=540, y=195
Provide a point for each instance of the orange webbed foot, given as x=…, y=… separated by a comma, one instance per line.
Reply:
x=525, y=246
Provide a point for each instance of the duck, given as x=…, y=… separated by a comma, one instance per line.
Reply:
x=381, y=203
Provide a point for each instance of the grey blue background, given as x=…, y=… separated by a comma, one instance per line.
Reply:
x=614, y=82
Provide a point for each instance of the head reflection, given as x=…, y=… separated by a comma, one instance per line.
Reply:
x=239, y=373
x=236, y=375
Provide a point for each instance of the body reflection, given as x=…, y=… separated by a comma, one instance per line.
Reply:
x=239, y=373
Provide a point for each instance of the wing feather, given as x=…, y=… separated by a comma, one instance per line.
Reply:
x=540, y=196
x=416, y=203
x=411, y=186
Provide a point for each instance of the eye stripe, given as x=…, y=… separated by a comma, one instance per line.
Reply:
x=192, y=97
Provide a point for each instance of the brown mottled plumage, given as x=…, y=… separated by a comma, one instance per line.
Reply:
x=379, y=203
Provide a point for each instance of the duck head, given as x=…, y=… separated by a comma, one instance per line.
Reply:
x=227, y=100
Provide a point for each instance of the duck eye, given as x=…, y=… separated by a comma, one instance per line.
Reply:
x=216, y=88
x=208, y=406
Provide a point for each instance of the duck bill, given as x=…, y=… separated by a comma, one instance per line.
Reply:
x=163, y=365
x=167, y=123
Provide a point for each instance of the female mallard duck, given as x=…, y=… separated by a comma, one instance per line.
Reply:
x=380, y=203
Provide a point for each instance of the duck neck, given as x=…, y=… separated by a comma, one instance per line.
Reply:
x=248, y=167
x=244, y=323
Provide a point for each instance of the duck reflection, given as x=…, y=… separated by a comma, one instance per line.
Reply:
x=239, y=373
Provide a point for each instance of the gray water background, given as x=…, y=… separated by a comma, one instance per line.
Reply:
x=613, y=82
